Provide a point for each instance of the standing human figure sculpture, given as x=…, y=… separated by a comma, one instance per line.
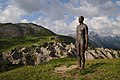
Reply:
x=81, y=42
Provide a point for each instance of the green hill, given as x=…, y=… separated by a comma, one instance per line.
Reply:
x=23, y=29
x=27, y=34
x=102, y=69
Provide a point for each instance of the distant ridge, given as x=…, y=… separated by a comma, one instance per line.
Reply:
x=23, y=29
x=97, y=40
x=106, y=41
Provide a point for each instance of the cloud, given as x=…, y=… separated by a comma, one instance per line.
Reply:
x=50, y=8
x=58, y=26
x=24, y=21
x=110, y=9
x=59, y=16
x=104, y=25
x=87, y=10
x=27, y=5
x=118, y=3
x=10, y=14
x=56, y=9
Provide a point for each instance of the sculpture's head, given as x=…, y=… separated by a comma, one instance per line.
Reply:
x=81, y=19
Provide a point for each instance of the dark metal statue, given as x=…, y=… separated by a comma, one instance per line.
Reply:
x=81, y=42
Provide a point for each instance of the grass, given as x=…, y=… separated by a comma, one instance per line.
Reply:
x=102, y=69
x=9, y=43
x=6, y=44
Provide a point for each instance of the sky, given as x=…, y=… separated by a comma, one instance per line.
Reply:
x=60, y=16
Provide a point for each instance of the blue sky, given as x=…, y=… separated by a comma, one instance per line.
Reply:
x=60, y=16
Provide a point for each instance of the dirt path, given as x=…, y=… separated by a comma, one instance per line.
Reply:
x=62, y=69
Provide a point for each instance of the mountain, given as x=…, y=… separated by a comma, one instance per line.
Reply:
x=98, y=40
x=23, y=29
x=104, y=41
x=27, y=34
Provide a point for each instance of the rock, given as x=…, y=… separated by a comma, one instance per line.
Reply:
x=100, y=54
x=16, y=55
x=45, y=51
x=65, y=53
x=115, y=53
x=53, y=52
x=4, y=56
x=104, y=53
x=29, y=59
x=108, y=54
x=58, y=51
x=92, y=52
x=50, y=46
x=16, y=61
x=72, y=46
x=37, y=58
x=89, y=56
x=102, y=50
x=37, y=49
x=59, y=44
x=72, y=53
x=24, y=61
x=37, y=54
x=48, y=58
x=108, y=50
x=67, y=47
x=54, y=44
x=64, y=44
x=23, y=49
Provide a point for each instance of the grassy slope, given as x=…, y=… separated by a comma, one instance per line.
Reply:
x=107, y=69
x=39, y=37
x=7, y=44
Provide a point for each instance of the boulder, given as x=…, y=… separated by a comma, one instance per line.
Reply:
x=115, y=53
x=72, y=46
x=64, y=52
x=44, y=51
x=16, y=61
x=58, y=51
x=4, y=56
x=59, y=44
x=92, y=52
x=100, y=54
x=29, y=59
x=37, y=58
x=108, y=54
x=108, y=50
x=89, y=56
x=67, y=47
x=16, y=55
x=48, y=58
